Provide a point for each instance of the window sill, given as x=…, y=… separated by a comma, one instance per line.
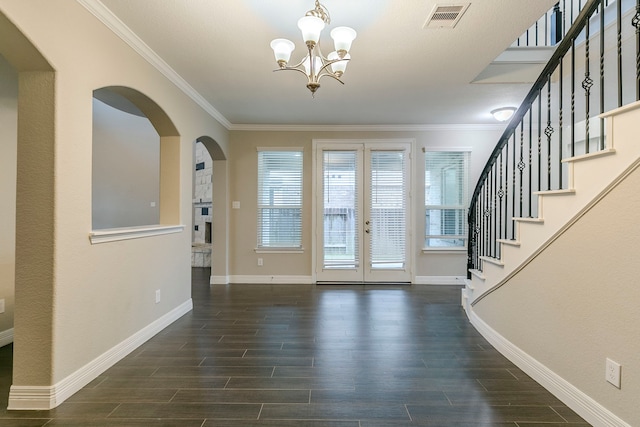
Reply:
x=126, y=233
x=279, y=250
x=444, y=250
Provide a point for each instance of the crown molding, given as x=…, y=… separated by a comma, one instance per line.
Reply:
x=100, y=11
x=365, y=128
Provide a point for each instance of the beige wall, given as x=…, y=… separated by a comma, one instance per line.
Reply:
x=74, y=300
x=576, y=303
x=243, y=222
x=8, y=156
x=125, y=169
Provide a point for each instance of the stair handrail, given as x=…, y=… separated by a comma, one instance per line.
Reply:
x=561, y=50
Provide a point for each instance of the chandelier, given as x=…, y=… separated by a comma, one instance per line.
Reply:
x=315, y=65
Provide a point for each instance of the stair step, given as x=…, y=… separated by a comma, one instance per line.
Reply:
x=509, y=242
x=531, y=220
x=600, y=153
x=477, y=273
x=492, y=260
x=564, y=192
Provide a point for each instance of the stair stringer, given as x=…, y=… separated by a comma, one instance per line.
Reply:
x=589, y=177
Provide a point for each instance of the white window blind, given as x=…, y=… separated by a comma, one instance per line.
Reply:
x=446, y=198
x=340, y=207
x=388, y=209
x=279, y=199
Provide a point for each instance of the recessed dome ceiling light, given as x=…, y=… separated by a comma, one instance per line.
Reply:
x=503, y=114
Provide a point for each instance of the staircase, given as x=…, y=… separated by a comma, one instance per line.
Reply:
x=552, y=278
x=591, y=177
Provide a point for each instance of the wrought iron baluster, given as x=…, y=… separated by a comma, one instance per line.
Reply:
x=494, y=207
x=636, y=23
x=601, y=142
x=537, y=42
x=513, y=190
x=619, y=42
x=521, y=164
x=586, y=85
x=573, y=97
x=530, y=164
x=539, y=140
x=506, y=191
x=487, y=221
x=560, y=146
x=548, y=131
x=501, y=194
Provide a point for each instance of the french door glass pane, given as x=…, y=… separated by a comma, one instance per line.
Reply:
x=387, y=214
x=340, y=192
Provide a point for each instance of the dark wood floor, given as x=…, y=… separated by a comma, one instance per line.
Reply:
x=309, y=356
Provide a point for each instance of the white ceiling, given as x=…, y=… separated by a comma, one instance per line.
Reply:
x=400, y=73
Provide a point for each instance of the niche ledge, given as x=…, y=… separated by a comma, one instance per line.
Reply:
x=126, y=233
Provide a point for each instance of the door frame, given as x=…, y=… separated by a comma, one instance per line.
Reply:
x=411, y=206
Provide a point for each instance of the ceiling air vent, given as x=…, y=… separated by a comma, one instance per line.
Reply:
x=445, y=16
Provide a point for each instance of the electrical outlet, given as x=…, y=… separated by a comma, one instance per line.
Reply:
x=260, y=262
x=2, y=305
x=157, y=296
x=612, y=373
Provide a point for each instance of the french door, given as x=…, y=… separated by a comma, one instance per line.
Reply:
x=363, y=212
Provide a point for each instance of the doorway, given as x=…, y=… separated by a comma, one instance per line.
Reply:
x=363, y=211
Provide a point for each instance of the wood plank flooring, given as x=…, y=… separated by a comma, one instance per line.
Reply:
x=309, y=356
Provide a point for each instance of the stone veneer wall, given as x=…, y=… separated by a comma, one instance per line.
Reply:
x=202, y=205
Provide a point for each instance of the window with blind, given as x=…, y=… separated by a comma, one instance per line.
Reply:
x=446, y=199
x=388, y=209
x=279, y=198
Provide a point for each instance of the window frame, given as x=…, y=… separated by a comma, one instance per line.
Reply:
x=462, y=209
x=295, y=244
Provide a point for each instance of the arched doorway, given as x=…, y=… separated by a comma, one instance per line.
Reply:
x=210, y=201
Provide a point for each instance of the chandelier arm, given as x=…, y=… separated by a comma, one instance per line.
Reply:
x=327, y=62
x=291, y=69
x=330, y=75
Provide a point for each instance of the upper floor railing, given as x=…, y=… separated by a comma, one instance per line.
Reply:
x=553, y=25
x=594, y=68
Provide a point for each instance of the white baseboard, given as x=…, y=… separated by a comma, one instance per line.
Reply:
x=440, y=280
x=271, y=280
x=592, y=411
x=6, y=337
x=48, y=397
x=219, y=280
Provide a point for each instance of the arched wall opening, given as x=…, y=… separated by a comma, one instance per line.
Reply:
x=210, y=209
x=135, y=161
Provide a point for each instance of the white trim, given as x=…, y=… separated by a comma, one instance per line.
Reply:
x=592, y=411
x=126, y=233
x=6, y=337
x=112, y=22
x=453, y=250
x=364, y=128
x=219, y=280
x=440, y=280
x=271, y=280
x=48, y=397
